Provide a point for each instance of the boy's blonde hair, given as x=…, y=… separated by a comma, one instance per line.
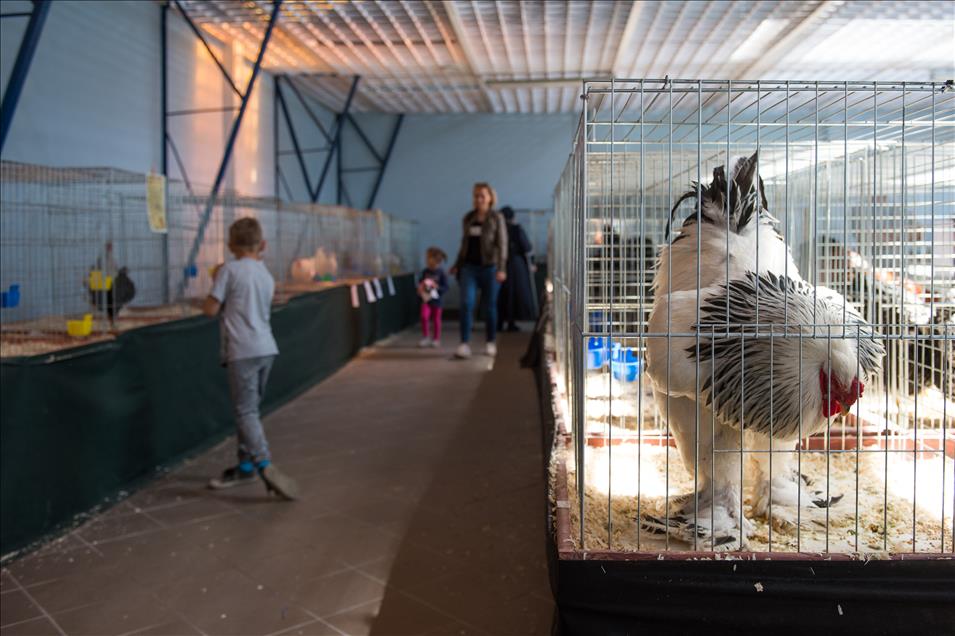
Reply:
x=245, y=234
x=483, y=185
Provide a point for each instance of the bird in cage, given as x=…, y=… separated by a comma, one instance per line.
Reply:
x=110, y=287
x=762, y=374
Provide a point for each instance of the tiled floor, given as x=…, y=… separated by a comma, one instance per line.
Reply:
x=423, y=513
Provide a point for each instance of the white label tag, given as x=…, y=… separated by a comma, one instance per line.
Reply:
x=378, y=291
x=369, y=292
x=391, y=287
x=354, y=296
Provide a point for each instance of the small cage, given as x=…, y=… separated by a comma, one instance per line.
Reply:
x=679, y=373
x=80, y=262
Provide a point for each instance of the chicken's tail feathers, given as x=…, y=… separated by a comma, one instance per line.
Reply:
x=733, y=203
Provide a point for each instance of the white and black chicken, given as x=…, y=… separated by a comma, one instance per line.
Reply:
x=736, y=388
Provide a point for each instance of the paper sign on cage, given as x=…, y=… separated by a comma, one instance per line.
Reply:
x=354, y=296
x=378, y=290
x=391, y=286
x=156, y=202
x=369, y=292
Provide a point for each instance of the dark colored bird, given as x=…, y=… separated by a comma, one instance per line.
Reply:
x=110, y=298
x=116, y=297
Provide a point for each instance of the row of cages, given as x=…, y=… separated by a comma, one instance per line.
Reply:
x=81, y=261
x=754, y=293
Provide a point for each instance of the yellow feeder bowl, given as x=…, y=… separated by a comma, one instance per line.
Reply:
x=80, y=328
x=98, y=282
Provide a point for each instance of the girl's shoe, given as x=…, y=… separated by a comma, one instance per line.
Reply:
x=278, y=482
x=424, y=342
x=435, y=344
x=232, y=477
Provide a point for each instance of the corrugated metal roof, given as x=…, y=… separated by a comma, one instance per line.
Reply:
x=530, y=57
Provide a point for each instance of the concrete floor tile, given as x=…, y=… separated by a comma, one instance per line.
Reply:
x=229, y=602
x=115, y=524
x=329, y=594
x=35, y=627
x=130, y=613
x=16, y=607
x=394, y=615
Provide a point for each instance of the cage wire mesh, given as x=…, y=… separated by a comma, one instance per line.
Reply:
x=861, y=179
x=70, y=238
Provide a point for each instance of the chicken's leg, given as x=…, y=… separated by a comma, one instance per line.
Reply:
x=779, y=487
x=712, y=513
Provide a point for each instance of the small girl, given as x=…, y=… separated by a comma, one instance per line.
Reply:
x=431, y=288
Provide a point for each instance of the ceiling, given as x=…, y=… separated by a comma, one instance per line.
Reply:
x=503, y=56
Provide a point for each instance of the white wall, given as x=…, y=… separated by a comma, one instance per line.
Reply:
x=438, y=158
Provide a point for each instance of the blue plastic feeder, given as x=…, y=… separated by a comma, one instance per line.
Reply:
x=596, y=352
x=10, y=298
x=625, y=364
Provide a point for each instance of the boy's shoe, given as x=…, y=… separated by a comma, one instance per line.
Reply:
x=435, y=344
x=463, y=351
x=424, y=342
x=232, y=477
x=491, y=349
x=278, y=482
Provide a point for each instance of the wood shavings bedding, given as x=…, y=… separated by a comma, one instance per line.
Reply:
x=624, y=467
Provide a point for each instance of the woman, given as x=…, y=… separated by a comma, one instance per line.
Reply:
x=481, y=262
x=516, y=300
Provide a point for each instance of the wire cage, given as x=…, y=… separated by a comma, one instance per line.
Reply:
x=81, y=263
x=724, y=254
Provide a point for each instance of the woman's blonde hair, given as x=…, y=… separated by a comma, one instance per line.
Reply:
x=487, y=186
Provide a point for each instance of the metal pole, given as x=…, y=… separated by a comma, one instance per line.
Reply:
x=21, y=66
x=337, y=140
x=230, y=144
x=291, y=129
x=164, y=154
x=384, y=161
x=275, y=137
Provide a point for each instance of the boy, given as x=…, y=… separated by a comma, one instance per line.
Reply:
x=242, y=290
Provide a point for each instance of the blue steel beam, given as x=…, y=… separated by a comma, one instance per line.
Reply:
x=164, y=134
x=336, y=143
x=205, y=43
x=21, y=66
x=291, y=130
x=361, y=134
x=311, y=114
x=230, y=144
x=384, y=163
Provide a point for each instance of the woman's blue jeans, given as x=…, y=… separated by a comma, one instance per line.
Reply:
x=472, y=277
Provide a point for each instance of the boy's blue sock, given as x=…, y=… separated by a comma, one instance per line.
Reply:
x=262, y=464
x=246, y=467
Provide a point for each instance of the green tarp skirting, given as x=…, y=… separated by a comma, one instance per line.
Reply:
x=78, y=427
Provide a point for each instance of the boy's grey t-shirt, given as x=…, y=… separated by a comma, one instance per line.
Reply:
x=245, y=287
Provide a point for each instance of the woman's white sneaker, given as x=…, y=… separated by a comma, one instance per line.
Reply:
x=491, y=349
x=424, y=342
x=463, y=351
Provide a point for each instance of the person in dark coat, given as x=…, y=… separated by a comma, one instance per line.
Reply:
x=516, y=300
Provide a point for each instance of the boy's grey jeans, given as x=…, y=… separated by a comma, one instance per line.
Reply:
x=247, y=380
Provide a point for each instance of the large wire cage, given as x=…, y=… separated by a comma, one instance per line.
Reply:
x=860, y=177
x=71, y=238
